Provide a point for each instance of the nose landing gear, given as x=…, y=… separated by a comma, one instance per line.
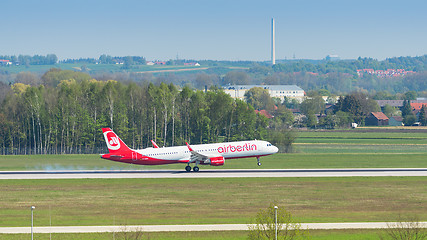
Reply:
x=258, y=161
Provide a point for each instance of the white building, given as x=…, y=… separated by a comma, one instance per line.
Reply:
x=278, y=91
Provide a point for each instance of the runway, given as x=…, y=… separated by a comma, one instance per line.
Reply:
x=188, y=228
x=223, y=173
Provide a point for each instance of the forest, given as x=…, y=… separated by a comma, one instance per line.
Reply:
x=66, y=116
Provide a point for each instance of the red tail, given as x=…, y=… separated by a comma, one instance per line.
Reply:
x=154, y=144
x=115, y=145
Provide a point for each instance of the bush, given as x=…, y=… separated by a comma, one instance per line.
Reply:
x=265, y=225
x=409, y=229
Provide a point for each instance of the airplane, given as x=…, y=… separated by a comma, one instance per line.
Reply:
x=213, y=154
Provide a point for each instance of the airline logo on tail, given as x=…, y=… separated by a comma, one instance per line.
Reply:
x=112, y=140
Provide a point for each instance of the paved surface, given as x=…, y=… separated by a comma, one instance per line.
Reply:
x=180, y=228
x=231, y=173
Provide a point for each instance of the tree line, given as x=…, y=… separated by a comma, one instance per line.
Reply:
x=49, y=59
x=338, y=77
x=65, y=114
x=417, y=64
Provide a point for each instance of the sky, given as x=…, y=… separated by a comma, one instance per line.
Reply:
x=214, y=29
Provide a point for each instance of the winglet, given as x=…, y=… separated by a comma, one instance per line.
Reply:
x=189, y=148
x=154, y=144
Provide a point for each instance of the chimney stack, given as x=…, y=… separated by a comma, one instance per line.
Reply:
x=273, y=47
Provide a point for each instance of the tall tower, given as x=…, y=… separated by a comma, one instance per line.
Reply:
x=273, y=47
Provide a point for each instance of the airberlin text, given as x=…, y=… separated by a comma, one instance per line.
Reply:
x=237, y=148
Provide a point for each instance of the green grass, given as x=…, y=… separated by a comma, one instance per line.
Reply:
x=339, y=148
x=209, y=201
x=349, y=234
x=93, y=67
x=313, y=159
x=364, y=134
x=313, y=149
x=373, y=140
x=277, y=161
x=359, y=136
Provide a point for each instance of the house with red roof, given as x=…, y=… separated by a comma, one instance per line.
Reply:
x=5, y=62
x=264, y=113
x=417, y=105
x=376, y=119
x=383, y=73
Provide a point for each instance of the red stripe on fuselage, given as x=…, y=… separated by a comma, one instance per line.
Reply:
x=141, y=160
x=247, y=156
x=155, y=161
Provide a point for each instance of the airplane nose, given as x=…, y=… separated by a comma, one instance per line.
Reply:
x=275, y=149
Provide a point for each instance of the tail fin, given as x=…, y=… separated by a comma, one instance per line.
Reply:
x=114, y=143
x=154, y=144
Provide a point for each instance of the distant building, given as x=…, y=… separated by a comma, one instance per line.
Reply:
x=395, y=121
x=5, y=62
x=394, y=103
x=329, y=108
x=383, y=73
x=417, y=105
x=278, y=91
x=264, y=113
x=376, y=119
x=332, y=58
x=191, y=64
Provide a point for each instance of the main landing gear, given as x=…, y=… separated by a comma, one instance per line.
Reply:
x=188, y=168
x=259, y=162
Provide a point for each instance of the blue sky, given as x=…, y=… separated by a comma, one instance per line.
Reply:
x=217, y=30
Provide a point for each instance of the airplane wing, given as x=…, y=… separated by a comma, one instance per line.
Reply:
x=197, y=157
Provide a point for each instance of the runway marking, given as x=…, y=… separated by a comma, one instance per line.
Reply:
x=217, y=173
x=185, y=228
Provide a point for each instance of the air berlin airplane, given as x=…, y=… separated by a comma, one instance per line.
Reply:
x=206, y=154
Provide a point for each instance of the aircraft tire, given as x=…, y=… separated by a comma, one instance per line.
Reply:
x=196, y=168
x=188, y=168
x=259, y=163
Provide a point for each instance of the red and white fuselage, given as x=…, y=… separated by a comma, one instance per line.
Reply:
x=212, y=154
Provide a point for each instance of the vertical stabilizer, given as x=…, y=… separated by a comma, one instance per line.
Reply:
x=114, y=143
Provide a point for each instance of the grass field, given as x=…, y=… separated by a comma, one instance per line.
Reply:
x=96, y=68
x=209, y=201
x=91, y=67
x=226, y=235
x=362, y=141
x=312, y=149
x=277, y=161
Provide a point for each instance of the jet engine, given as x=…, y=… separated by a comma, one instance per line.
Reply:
x=217, y=161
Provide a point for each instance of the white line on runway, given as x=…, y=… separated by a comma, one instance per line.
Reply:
x=220, y=173
x=184, y=228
